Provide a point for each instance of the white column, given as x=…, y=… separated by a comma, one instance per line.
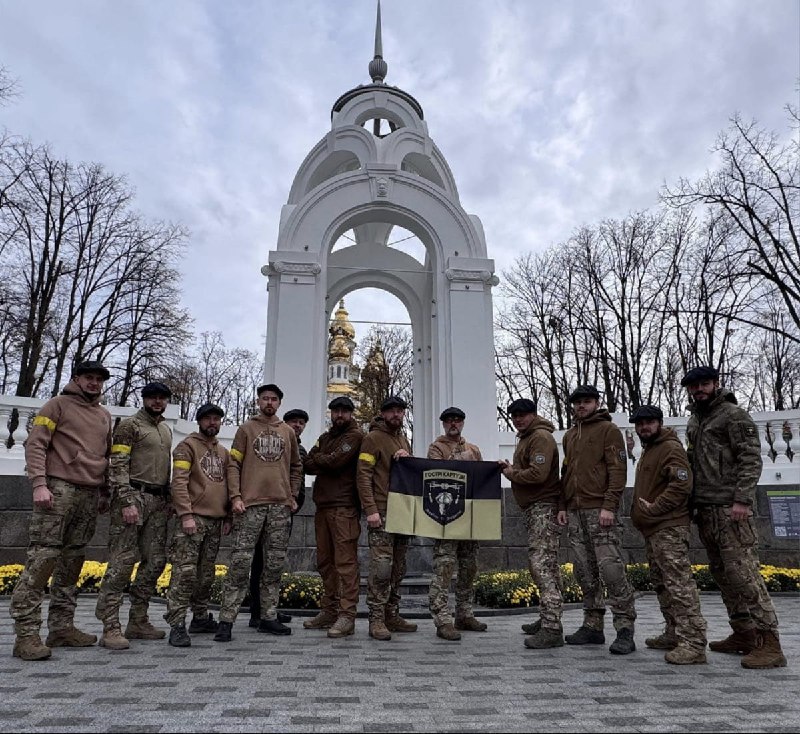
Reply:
x=21, y=433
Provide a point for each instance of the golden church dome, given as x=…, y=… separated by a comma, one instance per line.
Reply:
x=341, y=323
x=339, y=348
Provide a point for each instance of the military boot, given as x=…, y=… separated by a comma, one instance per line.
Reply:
x=448, y=632
x=178, y=637
x=30, y=647
x=397, y=624
x=223, y=632
x=70, y=637
x=624, y=644
x=378, y=630
x=141, y=629
x=545, y=638
x=112, y=638
x=665, y=641
x=531, y=628
x=685, y=655
x=200, y=625
x=470, y=624
x=323, y=621
x=342, y=627
x=766, y=654
x=738, y=643
x=586, y=636
x=274, y=627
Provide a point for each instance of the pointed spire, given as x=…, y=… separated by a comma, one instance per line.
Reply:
x=378, y=67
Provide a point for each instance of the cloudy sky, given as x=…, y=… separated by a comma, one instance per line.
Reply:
x=551, y=114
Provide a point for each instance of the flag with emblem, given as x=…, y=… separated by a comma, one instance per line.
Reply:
x=448, y=500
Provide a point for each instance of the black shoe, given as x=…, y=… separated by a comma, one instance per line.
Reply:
x=274, y=627
x=203, y=624
x=178, y=636
x=624, y=643
x=586, y=636
x=223, y=632
x=284, y=618
x=254, y=622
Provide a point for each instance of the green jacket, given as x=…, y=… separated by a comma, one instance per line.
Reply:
x=724, y=452
x=141, y=451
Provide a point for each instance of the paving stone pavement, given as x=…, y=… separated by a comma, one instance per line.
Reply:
x=416, y=682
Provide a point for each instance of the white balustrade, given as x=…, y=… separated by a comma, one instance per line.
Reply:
x=783, y=469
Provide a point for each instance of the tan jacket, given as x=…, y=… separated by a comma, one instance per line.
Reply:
x=70, y=440
x=595, y=470
x=663, y=477
x=375, y=465
x=333, y=460
x=449, y=450
x=139, y=452
x=535, y=467
x=265, y=466
x=199, y=477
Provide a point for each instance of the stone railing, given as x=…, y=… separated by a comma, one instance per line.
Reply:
x=779, y=433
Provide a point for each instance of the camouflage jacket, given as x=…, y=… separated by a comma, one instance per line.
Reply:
x=140, y=452
x=724, y=452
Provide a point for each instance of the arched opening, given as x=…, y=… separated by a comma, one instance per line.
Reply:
x=397, y=238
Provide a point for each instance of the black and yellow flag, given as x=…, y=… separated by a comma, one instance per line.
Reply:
x=449, y=500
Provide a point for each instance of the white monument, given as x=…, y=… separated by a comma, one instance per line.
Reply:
x=370, y=178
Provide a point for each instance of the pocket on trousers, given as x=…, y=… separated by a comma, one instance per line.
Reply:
x=46, y=528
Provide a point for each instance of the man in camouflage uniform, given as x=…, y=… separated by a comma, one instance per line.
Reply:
x=449, y=555
x=594, y=475
x=139, y=476
x=537, y=490
x=660, y=512
x=387, y=551
x=66, y=457
x=200, y=498
x=296, y=419
x=264, y=476
x=725, y=455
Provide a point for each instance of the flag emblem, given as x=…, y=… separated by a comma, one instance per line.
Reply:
x=444, y=494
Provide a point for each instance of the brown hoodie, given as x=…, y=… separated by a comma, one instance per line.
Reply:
x=265, y=466
x=595, y=471
x=375, y=464
x=333, y=459
x=535, y=467
x=199, y=481
x=663, y=477
x=449, y=450
x=70, y=440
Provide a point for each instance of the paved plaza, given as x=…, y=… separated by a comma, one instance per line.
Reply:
x=488, y=682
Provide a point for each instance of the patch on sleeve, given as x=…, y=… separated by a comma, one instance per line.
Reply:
x=539, y=458
x=682, y=475
x=623, y=457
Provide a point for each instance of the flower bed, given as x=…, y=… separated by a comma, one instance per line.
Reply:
x=496, y=589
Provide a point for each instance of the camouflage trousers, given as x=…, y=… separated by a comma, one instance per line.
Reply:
x=274, y=522
x=449, y=555
x=57, y=542
x=194, y=559
x=544, y=535
x=600, y=570
x=671, y=576
x=733, y=561
x=387, y=567
x=145, y=542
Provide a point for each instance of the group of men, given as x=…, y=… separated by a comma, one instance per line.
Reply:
x=78, y=464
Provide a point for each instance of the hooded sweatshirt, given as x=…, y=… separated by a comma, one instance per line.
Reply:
x=663, y=477
x=333, y=459
x=375, y=464
x=450, y=450
x=534, y=476
x=199, y=477
x=724, y=452
x=595, y=471
x=70, y=440
x=265, y=466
